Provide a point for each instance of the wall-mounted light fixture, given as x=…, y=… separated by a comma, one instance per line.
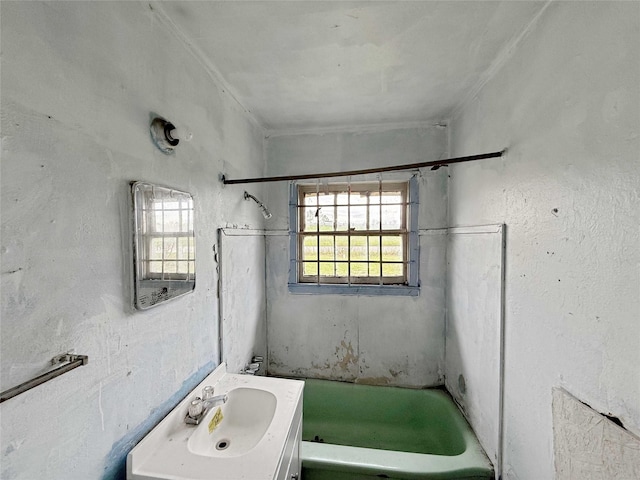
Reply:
x=265, y=211
x=166, y=135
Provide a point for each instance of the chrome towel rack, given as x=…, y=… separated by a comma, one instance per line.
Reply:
x=71, y=361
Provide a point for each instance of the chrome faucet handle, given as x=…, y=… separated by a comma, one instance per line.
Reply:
x=207, y=392
x=257, y=359
x=195, y=407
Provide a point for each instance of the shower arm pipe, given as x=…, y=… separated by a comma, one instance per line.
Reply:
x=435, y=164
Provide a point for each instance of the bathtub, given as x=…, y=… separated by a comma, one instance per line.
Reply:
x=358, y=432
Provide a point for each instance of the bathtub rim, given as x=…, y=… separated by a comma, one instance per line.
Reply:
x=472, y=462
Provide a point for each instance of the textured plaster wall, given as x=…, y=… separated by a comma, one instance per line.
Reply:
x=377, y=340
x=79, y=80
x=588, y=446
x=567, y=106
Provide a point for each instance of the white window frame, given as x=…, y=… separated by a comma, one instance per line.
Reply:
x=408, y=284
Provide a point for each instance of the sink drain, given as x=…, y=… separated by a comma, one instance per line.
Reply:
x=222, y=444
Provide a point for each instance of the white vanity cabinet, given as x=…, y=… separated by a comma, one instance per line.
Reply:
x=290, y=464
x=254, y=434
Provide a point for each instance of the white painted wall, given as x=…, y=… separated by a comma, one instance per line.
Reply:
x=567, y=106
x=244, y=327
x=473, y=333
x=79, y=80
x=378, y=340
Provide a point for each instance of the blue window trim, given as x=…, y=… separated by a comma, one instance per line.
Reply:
x=413, y=287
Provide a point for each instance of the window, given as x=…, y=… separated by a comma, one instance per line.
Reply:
x=355, y=235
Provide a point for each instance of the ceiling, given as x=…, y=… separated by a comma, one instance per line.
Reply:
x=308, y=64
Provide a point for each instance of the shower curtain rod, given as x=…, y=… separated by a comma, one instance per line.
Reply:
x=411, y=166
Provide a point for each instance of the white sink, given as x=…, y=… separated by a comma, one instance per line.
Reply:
x=246, y=418
x=248, y=443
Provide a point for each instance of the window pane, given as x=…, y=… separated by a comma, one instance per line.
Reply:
x=309, y=248
x=342, y=248
x=155, y=249
x=374, y=198
x=359, y=198
x=327, y=249
x=310, y=218
x=170, y=248
x=185, y=221
x=183, y=248
x=156, y=218
x=374, y=269
x=170, y=267
x=374, y=217
x=392, y=248
x=392, y=270
x=342, y=198
x=374, y=248
x=183, y=267
x=359, y=269
x=358, y=248
x=327, y=269
x=171, y=221
x=391, y=217
x=325, y=199
x=342, y=269
x=309, y=268
x=391, y=197
x=358, y=218
x=155, y=267
x=310, y=199
x=326, y=217
x=342, y=220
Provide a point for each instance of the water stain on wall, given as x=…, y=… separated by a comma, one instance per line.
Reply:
x=346, y=356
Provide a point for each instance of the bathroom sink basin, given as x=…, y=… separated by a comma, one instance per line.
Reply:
x=245, y=419
x=243, y=438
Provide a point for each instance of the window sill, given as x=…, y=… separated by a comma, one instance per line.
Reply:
x=362, y=290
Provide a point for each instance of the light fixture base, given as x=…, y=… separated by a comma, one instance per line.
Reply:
x=160, y=134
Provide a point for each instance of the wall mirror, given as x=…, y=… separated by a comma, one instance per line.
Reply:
x=163, y=244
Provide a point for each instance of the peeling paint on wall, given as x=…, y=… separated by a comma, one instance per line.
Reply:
x=589, y=446
x=345, y=356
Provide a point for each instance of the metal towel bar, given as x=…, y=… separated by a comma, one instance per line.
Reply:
x=75, y=361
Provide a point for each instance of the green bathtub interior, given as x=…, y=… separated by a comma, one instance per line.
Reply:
x=425, y=425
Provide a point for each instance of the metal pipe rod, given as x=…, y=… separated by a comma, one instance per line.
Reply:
x=392, y=168
x=75, y=361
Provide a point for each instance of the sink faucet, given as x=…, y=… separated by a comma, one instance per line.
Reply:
x=253, y=367
x=215, y=401
x=199, y=408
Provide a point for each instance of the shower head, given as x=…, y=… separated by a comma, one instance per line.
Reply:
x=265, y=211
